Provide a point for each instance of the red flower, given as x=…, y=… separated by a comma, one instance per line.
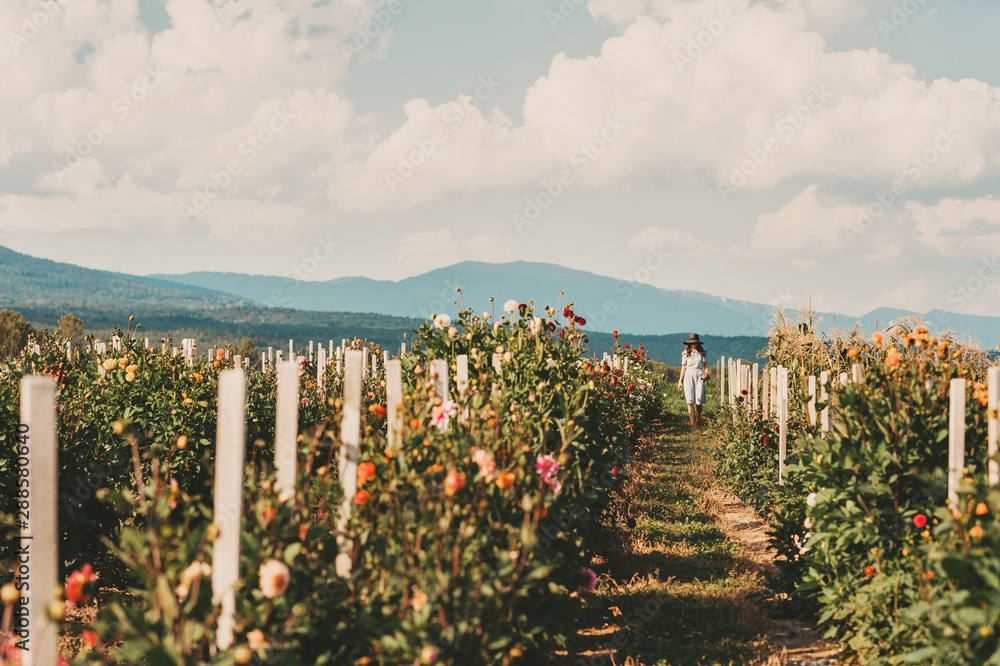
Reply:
x=377, y=410
x=614, y=471
x=920, y=520
x=361, y=496
x=869, y=570
x=626, y=345
x=80, y=586
x=615, y=334
x=567, y=312
x=630, y=387
x=89, y=639
x=453, y=482
x=641, y=348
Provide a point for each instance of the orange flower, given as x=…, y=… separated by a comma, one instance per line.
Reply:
x=89, y=639
x=943, y=349
x=492, y=423
x=892, y=359
x=366, y=470
x=453, y=482
x=869, y=570
x=982, y=509
x=303, y=530
x=415, y=423
x=929, y=575
x=976, y=532
x=377, y=410
x=877, y=338
x=505, y=480
x=852, y=352
x=361, y=496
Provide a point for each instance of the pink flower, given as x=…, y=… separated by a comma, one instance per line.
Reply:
x=80, y=585
x=441, y=414
x=305, y=401
x=589, y=580
x=487, y=465
x=547, y=468
x=274, y=578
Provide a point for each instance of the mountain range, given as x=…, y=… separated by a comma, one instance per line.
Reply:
x=215, y=307
x=607, y=304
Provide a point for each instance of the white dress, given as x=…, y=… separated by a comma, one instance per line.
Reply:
x=694, y=385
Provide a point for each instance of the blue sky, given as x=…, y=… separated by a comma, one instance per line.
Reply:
x=322, y=148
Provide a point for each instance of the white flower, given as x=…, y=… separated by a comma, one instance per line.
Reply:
x=274, y=578
x=441, y=321
x=510, y=306
x=808, y=523
x=536, y=325
x=486, y=315
x=811, y=499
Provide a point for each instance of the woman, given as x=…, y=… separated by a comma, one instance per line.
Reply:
x=694, y=372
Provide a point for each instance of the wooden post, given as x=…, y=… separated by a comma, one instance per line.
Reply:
x=993, y=386
x=858, y=373
x=364, y=361
x=350, y=435
x=844, y=380
x=340, y=360
x=462, y=377
x=782, y=424
x=270, y=354
x=237, y=360
x=230, y=440
x=812, y=400
x=956, y=441
x=39, y=540
x=765, y=395
x=310, y=351
x=394, y=400
x=263, y=362
x=824, y=396
x=291, y=350
x=286, y=429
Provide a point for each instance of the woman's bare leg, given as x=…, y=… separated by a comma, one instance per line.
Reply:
x=698, y=414
x=691, y=415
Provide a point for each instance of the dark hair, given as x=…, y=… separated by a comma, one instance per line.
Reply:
x=696, y=346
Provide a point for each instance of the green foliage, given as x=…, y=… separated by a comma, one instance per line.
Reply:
x=14, y=333
x=70, y=328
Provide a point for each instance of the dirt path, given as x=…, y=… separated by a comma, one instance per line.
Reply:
x=683, y=581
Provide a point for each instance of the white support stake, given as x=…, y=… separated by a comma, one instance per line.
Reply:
x=993, y=469
x=956, y=441
x=394, y=400
x=462, y=377
x=812, y=400
x=286, y=428
x=824, y=396
x=230, y=441
x=39, y=543
x=782, y=424
x=754, y=386
x=321, y=369
x=350, y=435
x=858, y=373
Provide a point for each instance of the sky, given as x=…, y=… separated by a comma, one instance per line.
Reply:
x=839, y=152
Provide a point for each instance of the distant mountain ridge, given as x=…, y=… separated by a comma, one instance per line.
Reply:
x=607, y=303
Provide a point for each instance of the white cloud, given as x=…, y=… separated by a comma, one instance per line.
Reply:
x=674, y=241
x=697, y=100
x=425, y=250
x=910, y=295
x=955, y=227
x=805, y=225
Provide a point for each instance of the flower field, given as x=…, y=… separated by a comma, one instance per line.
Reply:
x=469, y=536
x=869, y=541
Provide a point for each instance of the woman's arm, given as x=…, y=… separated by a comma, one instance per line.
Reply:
x=680, y=380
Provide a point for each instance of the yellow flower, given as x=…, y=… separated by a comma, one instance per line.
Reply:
x=109, y=364
x=187, y=401
x=123, y=362
x=132, y=368
x=130, y=377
